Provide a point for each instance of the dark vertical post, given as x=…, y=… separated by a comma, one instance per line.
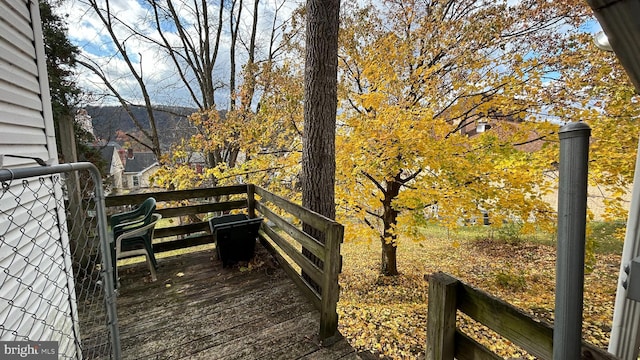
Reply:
x=572, y=213
x=441, y=320
x=77, y=213
x=251, y=200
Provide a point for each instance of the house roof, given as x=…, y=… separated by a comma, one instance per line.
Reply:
x=139, y=162
x=107, y=154
x=114, y=144
x=197, y=158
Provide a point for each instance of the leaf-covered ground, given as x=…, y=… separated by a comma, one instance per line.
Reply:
x=388, y=316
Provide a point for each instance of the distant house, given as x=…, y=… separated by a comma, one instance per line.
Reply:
x=115, y=167
x=138, y=168
x=197, y=161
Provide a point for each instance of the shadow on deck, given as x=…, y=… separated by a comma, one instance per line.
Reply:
x=198, y=309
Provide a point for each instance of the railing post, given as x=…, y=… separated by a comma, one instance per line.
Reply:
x=441, y=320
x=251, y=200
x=572, y=213
x=330, y=287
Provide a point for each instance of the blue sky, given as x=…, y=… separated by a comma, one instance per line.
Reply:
x=87, y=32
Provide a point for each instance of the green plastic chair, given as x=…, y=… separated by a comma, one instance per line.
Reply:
x=134, y=242
x=133, y=234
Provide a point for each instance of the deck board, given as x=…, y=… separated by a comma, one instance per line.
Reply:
x=199, y=310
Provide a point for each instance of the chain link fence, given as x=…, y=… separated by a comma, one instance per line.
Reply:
x=56, y=282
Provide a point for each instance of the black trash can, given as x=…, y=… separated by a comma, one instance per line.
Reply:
x=235, y=237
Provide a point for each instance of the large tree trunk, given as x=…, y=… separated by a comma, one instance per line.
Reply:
x=320, y=103
x=388, y=264
x=389, y=267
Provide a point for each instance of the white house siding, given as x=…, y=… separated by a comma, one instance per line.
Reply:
x=36, y=286
x=143, y=176
x=116, y=170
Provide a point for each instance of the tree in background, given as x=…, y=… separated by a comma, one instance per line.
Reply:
x=61, y=59
x=593, y=87
x=262, y=126
x=71, y=139
x=320, y=105
x=191, y=39
x=269, y=140
x=420, y=81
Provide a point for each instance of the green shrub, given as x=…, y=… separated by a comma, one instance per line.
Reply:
x=510, y=232
x=607, y=236
x=511, y=280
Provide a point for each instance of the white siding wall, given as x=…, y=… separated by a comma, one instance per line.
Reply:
x=117, y=169
x=36, y=294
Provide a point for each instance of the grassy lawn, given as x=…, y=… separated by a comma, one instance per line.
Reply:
x=388, y=316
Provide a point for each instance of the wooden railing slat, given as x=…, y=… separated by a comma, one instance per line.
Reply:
x=328, y=253
x=160, y=233
x=251, y=200
x=301, y=237
x=312, y=218
x=313, y=296
x=308, y=266
x=182, y=243
x=533, y=336
x=202, y=208
x=441, y=318
x=590, y=351
x=330, y=287
x=506, y=320
x=469, y=349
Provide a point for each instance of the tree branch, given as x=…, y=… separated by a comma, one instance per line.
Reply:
x=375, y=182
x=410, y=177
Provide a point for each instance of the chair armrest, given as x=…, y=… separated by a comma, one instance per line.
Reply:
x=136, y=231
x=118, y=229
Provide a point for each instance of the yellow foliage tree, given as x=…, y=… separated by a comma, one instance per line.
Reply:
x=261, y=146
x=421, y=80
x=418, y=82
x=593, y=87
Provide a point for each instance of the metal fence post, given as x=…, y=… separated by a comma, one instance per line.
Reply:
x=105, y=247
x=572, y=211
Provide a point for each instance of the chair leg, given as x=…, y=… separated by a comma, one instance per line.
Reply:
x=153, y=257
x=152, y=268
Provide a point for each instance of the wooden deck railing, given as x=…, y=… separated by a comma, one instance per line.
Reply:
x=445, y=340
x=172, y=205
x=274, y=238
x=281, y=235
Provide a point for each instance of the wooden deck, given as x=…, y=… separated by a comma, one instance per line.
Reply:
x=199, y=310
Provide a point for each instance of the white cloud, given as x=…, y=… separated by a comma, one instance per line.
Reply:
x=87, y=31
